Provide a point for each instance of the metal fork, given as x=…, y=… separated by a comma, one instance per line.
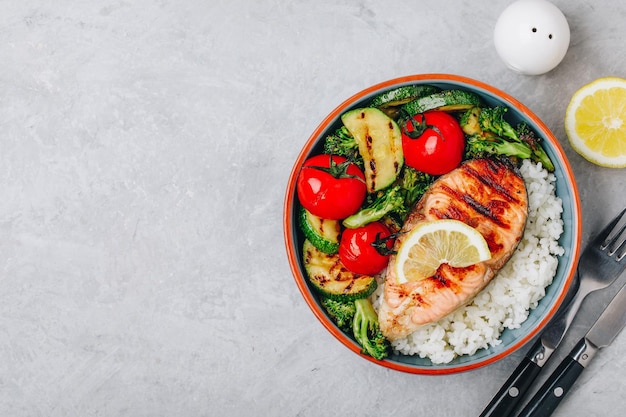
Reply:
x=599, y=266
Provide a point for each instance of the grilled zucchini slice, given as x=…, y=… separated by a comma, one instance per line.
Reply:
x=333, y=280
x=402, y=95
x=380, y=144
x=448, y=100
x=322, y=233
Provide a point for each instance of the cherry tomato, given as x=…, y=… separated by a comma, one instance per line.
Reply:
x=433, y=142
x=331, y=188
x=358, y=253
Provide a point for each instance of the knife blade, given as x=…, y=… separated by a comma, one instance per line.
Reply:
x=602, y=333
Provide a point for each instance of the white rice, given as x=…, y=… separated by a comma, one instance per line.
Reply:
x=506, y=301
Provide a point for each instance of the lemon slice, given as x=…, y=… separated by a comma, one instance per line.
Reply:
x=595, y=122
x=431, y=244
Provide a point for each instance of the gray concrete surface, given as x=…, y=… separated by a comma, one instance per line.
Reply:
x=144, y=152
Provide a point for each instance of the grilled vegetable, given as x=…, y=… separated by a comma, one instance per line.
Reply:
x=341, y=143
x=322, y=233
x=359, y=318
x=331, y=278
x=480, y=147
x=393, y=203
x=402, y=95
x=491, y=119
x=380, y=144
x=367, y=332
x=449, y=100
x=529, y=137
x=341, y=312
x=470, y=122
x=490, y=134
x=385, y=202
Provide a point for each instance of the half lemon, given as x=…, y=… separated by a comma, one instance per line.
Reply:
x=595, y=122
x=433, y=243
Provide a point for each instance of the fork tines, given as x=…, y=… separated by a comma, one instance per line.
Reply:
x=616, y=238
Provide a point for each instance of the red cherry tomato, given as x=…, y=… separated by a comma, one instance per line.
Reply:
x=331, y=189
x=433, y=142
x=356, y=250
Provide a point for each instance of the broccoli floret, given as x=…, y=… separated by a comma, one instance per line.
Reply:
x=527, y=136
x=397, y=199
x=385, y=201
x=481, y=147
x=342, y=143
x=492, y=120
x=470, y=123
x=413, y=184
x=342, y=313
x=366, y=330
x=360, y=317
x=520, y=142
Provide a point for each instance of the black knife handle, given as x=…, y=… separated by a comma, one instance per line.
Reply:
x=518, y=384
x=549, y=396
x=513, y=390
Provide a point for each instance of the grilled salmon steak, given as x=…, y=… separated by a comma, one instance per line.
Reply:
x=486, y=194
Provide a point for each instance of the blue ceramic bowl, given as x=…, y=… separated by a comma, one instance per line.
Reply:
x=570, y=240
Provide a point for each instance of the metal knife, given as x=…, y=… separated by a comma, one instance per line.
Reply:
x=601, y=334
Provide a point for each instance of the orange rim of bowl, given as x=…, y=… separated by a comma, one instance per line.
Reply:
x=290, y=200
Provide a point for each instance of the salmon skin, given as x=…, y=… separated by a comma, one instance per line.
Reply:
x=487, y=194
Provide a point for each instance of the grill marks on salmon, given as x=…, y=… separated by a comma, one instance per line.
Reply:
x=486, y=194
